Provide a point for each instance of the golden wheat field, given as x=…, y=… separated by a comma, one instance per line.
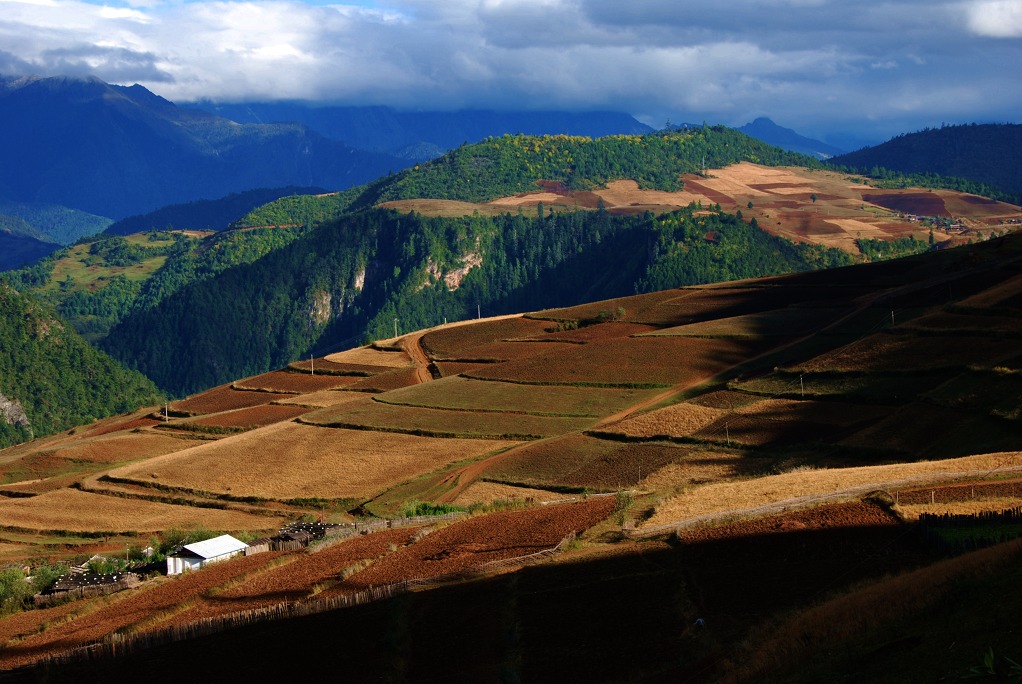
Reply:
x=726, y=496
x=118, y=448
x=321, y=462
x=367, y=356
x=77, y=511
x=679, y=420
x=324, y=399
x=488, y=492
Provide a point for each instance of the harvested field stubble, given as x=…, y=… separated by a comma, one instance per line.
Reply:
x=369, y=356
x=321, y=462
x=324, y=399
x=76, y=511
x=749, y=494
x=679, y=420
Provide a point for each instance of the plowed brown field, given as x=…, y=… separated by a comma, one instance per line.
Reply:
x=470, y=543
x=293, y=382
x=255, y=416
x=224, y=398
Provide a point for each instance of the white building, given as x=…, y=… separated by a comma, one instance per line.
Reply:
x=194, y=556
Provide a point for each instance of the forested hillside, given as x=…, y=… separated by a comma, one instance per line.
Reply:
x=511, y=164
x=51, y=379
x=97, y=282
x=348, y=280
x=985, y=154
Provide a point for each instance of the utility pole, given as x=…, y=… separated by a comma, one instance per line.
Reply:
x=802, y=386
x=479, y=311
x=892, y=316
x=395, y=327
x=312, y=364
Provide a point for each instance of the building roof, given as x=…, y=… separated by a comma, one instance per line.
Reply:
x=217, y=546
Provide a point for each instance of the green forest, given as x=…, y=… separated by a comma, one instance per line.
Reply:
x=58, y=378
x=94, y=311
x=978, y=158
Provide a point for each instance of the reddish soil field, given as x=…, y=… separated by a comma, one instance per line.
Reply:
x=821, y=517
x=507, y=351
x=646, y=361
x=725, y=399
x=115, y=426
x=470, y=543
x=392, y=379
x=919, y=203
x=135, y=606
x=334, y=368
x=579, y=461
x=456, y=341
x=449, y=368
x=255, y=416
x=962, y=492
x=295, y=383
x=224, y=398
x=600, y=331
x=297, y=577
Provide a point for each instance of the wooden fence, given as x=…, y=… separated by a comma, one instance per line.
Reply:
x=129, y=581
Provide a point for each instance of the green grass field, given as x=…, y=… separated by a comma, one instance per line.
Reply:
x=442, y=423
x=467, y=394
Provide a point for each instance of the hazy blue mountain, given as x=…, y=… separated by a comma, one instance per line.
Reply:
x=206, y=214
x=21, y=243
x=766, y=130
x=988, y=153
x=54, y=223
x=419, y=136
x=117, y=151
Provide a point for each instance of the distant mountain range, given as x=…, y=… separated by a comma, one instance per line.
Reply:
x=206, y=214
x=418, y=136
x=767, y=131
x=116, y=151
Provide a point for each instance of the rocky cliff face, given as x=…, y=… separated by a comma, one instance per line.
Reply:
x=12, y=413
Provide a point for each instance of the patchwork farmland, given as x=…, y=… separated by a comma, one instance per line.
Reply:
x=666, y=436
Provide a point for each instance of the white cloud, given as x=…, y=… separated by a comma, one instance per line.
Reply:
x=995, y=18
x=800, y=61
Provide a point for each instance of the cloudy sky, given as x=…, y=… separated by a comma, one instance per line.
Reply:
x=869, y=68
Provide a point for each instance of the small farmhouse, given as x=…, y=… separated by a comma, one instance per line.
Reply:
x=194, y=556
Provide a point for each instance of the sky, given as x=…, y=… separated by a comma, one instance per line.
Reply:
x=837, y=70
